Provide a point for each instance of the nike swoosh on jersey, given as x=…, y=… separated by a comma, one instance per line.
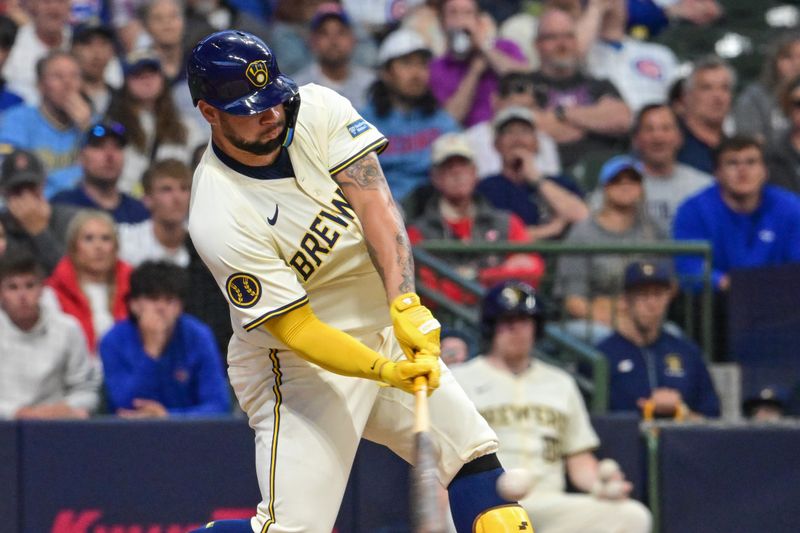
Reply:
x=272, y=220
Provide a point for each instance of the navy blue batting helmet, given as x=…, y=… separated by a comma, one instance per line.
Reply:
x=507, y=299
x=237, y=73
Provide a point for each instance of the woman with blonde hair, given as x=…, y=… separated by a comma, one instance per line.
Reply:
x=90, y=282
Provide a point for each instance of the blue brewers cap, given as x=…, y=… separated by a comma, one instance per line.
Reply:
x=647, y=273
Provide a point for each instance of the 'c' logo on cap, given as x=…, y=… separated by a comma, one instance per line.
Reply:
x=244, y=290
x=257, y=73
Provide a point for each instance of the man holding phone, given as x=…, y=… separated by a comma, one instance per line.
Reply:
x=467, y=74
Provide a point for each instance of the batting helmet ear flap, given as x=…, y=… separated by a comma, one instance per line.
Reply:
x=292, y=108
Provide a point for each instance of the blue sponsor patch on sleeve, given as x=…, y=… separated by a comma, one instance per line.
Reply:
x=358, y=127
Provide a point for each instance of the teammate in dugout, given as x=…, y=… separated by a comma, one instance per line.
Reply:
x=541, y=420
x=292, y=214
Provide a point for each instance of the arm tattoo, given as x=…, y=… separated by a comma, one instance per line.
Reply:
x=373, y=254
x=364, y=174
x=404, y=260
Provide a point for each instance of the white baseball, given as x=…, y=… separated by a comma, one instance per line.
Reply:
x=607, y=468
x=514, y=484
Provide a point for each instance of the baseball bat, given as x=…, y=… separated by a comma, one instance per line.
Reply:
x=427, y=497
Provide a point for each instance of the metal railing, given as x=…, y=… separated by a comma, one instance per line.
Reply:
x=570, y=350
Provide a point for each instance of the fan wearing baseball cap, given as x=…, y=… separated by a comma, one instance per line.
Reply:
x=402, y=106
x=592, y=286
x=102, y=157
x=456, y=211
x=652, y=369
x=32, y=224
x=332, y=41
x=522, y=187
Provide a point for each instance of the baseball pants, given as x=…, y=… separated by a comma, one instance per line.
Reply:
x=557, y=512
x=308, y=423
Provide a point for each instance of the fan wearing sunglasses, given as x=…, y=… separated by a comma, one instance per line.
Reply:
x=101, y=158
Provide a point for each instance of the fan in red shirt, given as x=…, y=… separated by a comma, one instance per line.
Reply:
x=457, y=212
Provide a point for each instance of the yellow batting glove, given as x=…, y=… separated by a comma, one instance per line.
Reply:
x=436, y=372
x=402, y=373
x=414, y=326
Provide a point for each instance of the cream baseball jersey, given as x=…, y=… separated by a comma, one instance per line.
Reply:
x=539, y=416
x=275, y=243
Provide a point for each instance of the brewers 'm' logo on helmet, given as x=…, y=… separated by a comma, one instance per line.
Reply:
x=244, y=290
x=257, y=73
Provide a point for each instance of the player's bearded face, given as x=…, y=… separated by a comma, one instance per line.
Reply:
x=259, y=134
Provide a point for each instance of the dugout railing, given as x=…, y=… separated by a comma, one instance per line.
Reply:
x=568, y=350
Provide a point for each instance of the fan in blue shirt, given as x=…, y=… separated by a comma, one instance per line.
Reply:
x=53, y=129
x=747, y=222
x=162, y=362
x=403, y=108
x=648, y=364
x=521, y=188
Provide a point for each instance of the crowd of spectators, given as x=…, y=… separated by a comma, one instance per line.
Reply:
x=494, y=111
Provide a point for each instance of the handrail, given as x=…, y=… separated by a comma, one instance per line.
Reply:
x=597, y=386
x=443, y=268
x=425, y=249
x=661, y=248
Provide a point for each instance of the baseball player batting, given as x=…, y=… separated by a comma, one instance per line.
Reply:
x=292, y=214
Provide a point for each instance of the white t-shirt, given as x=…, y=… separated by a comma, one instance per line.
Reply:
x=137, y=162
x=539, y=416
x=99, y=298
x=138, y=243
x=663, y=194
x=275, y=244
x=354, y=88
x=20, y=67
x=642, y=72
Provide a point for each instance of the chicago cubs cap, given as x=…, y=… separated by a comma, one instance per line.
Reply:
x=450, y=145
x=21, y=167
x=400, y=43
x=617, y=164
x=328, y=10
x=513, y=113
x=641, y=273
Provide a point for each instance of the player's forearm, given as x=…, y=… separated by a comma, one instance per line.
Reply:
x=582, y=470
x=390, y=251
x=385, y=236
x=325, y=346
